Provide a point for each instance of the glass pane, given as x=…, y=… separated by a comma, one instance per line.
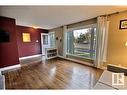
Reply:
x=81, y=42
x=70, y=46
x=52, y=40
x=45, y=39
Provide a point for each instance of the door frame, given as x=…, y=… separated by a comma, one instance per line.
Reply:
x=42, y=45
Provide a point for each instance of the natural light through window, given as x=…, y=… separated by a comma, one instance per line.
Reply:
x=81, y=42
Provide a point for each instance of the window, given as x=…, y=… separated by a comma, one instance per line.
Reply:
x=82, y=42
x=26, y=37
x=45, y=39
x=52, y=39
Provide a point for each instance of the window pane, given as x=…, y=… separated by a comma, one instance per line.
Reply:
x=52, y=39
x=82, y=42
x=70, y=46
x=45, y=39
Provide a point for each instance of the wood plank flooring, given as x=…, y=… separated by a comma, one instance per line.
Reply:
x=52, y=74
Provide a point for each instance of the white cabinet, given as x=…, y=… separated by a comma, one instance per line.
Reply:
x=51, y=53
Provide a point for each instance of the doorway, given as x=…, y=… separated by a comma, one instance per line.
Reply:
x=44, y=42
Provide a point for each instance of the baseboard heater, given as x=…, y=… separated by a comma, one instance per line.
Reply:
x=117, y=69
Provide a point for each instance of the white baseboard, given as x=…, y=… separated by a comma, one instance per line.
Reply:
x=10, y=67
x=61, y=57
x=30, y=56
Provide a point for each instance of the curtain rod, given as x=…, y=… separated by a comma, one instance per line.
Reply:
x=114, y=13
x=94, y=18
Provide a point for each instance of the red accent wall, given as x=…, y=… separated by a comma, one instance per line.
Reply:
x=29, y=48
x=9, y=50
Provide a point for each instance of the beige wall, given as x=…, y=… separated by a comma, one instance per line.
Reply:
x=83, y=23
x=117, y=52
x=59, y=44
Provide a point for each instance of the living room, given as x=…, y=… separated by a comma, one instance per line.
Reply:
x=62, y=47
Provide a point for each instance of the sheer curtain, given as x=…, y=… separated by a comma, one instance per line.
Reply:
x=101, y=42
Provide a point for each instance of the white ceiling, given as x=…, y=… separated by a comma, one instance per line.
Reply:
x=48, y=17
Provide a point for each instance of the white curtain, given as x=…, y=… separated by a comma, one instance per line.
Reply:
x=101, y=42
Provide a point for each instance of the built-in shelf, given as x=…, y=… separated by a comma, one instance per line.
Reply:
x=51, y=53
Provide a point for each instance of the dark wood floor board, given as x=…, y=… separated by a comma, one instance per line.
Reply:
x=52, y=74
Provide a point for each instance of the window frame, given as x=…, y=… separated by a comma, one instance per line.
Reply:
x=78, y=28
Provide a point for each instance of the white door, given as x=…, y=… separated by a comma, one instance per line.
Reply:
x=44, y=42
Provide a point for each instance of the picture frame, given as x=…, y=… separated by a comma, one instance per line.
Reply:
x=26, y=37
x=123, y=24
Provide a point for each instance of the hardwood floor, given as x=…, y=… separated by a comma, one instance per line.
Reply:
x=52, y=74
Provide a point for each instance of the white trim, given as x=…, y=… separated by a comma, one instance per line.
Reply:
x=30, y=56
x=10, y=67
x=81, y=27
x=61, y=57
x=43, y=46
